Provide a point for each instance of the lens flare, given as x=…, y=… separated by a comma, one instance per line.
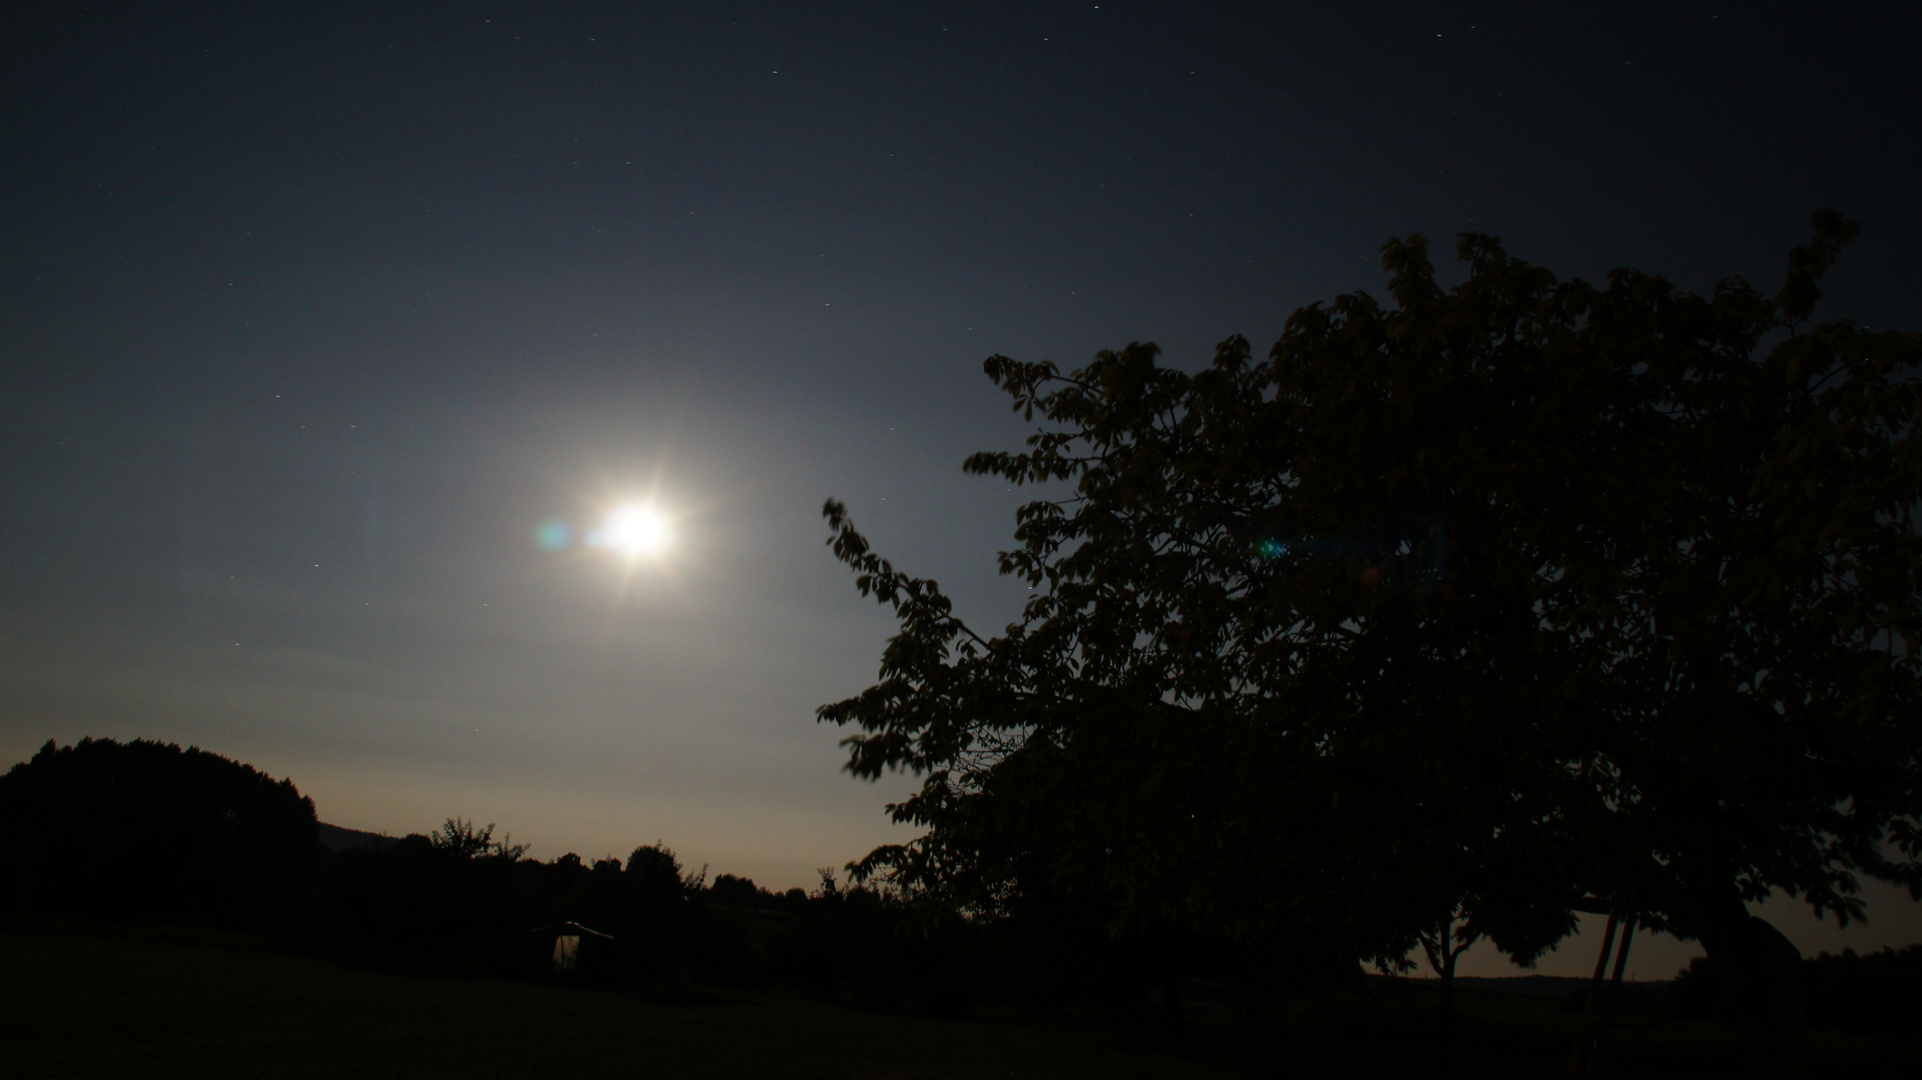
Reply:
x=553, y=535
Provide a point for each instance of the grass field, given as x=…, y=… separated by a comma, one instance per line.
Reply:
x=95, y=1006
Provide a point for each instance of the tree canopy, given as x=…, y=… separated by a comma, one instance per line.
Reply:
x=1512, y=597
x=144, y=827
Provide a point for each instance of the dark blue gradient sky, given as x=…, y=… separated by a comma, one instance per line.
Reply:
x=313, y=313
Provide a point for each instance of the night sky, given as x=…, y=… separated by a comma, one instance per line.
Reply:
x=314, y=315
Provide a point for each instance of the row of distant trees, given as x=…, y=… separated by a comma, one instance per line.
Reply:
x=1871, y=994
x=1452, y=618
x=149, y=833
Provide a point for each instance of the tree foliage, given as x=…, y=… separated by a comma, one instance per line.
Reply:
x=1508, y=597
x=146, y=830
x=462, y=839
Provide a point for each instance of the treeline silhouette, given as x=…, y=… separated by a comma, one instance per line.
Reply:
x=143, y=831
x=150, y=834
x=1873, y=994
x=455, y=901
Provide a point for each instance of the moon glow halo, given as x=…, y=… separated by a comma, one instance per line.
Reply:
x=634, y=531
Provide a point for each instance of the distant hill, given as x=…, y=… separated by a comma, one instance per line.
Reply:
x=338, y=838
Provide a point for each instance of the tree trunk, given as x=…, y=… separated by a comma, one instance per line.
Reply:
x=1448, y=979
x=1614, y=991
x=1760, y=973
x=1584, y=1035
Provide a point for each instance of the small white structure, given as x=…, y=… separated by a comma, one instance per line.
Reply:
x=567, y=944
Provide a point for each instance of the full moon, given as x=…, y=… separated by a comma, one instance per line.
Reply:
x=636, y=530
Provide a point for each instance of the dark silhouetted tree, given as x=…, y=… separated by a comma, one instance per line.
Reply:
x=660, y=923
x=737, y=891
x=145, y=830
x=1443, y=944
x=1527, y=591
x=460, y=838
